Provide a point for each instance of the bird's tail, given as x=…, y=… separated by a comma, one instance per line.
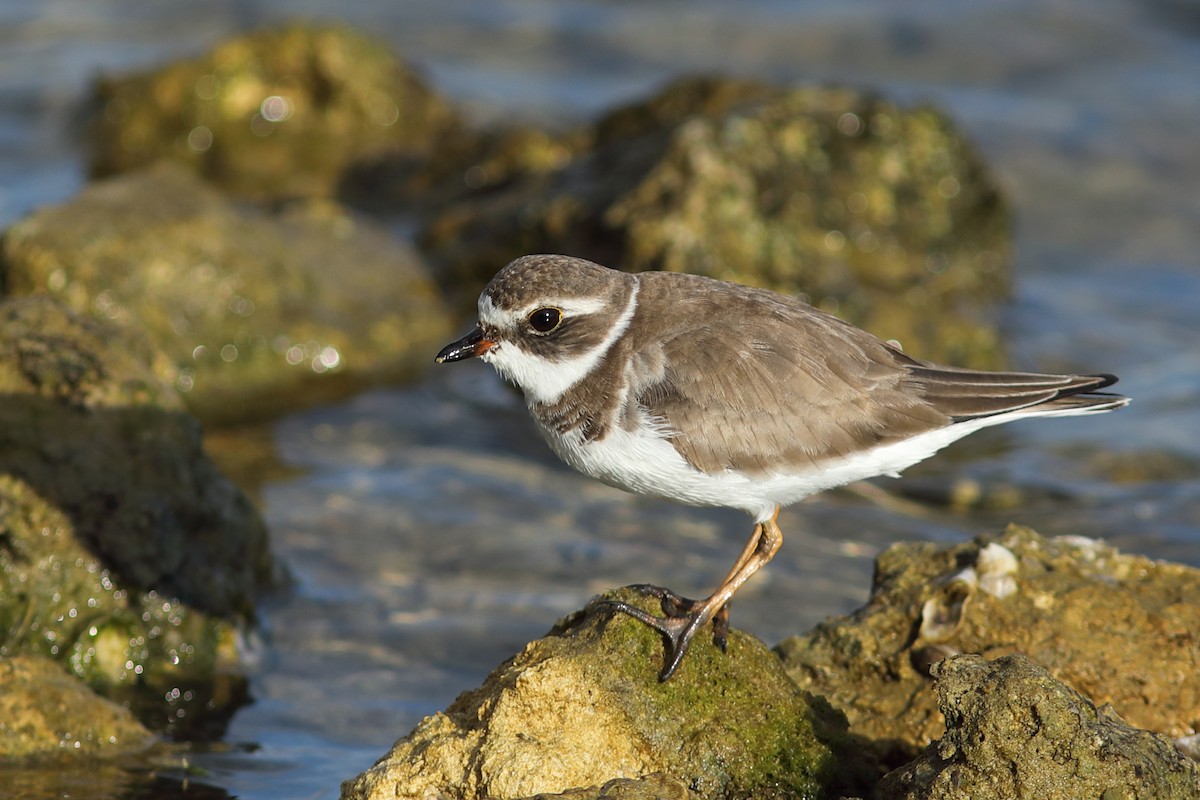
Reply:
x=965, y=394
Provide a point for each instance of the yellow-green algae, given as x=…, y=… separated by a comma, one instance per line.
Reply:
x=60, y=602
x=278, y=112
x=45, y=714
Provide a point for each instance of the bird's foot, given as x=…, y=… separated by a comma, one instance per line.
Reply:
x=683, y=617
x=676, y=605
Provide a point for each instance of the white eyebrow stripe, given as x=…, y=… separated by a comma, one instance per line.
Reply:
x=574, y=305
x=490, y=315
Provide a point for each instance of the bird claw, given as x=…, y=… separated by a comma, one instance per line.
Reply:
x=721, y=627
x=684, y=617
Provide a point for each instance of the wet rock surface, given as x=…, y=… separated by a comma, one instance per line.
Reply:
x=258, y=312
x=1014, y=731
x=582, y=708
x=276, y=113
x=1119, y=628
x=125, y=556
x=47, y=713
x=876, y=213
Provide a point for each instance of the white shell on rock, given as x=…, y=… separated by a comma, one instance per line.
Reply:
x=996, y=566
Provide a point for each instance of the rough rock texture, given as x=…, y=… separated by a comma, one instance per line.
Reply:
x=583, y=707
x=124, y=554
x=1013, y=732
x=257, y=312
x=652, y=787
x=879, y=214
x=280, y=112
x=46, y=712
x=1121, y=629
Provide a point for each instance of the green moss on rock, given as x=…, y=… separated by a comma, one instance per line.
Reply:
x=44, y=714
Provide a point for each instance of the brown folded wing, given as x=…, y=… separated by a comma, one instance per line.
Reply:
x=758, y=382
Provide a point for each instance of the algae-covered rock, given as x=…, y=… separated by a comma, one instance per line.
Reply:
x=46, y=712
x=258, y=312
x=583, y=707
x=1014, y=731
x=885, y=216
x=1121, y=629
x=87, y=422
x=125, y=555
x=279, y=112
x=176, y=666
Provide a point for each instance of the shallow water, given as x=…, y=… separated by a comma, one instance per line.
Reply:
x=431, y=533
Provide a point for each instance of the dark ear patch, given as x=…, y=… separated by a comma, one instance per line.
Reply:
x=571, y=337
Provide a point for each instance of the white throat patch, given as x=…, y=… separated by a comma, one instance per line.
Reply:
x=545, y=381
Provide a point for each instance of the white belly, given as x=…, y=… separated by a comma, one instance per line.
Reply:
x=646, y=463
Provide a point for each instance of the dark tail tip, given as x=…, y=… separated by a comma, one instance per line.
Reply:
x=1104, y=378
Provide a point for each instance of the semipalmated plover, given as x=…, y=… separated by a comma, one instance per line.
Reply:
x=716, y=394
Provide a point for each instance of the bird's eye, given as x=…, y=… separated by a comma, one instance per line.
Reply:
x=544, y=320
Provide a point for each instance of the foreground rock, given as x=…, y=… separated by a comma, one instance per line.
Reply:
x=580, y=714
x=886, y=216
x=281, y=112
x=259, y=313
x=1014, y=732
x=125, y=556
x=583, y=707
x=1119, y=628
